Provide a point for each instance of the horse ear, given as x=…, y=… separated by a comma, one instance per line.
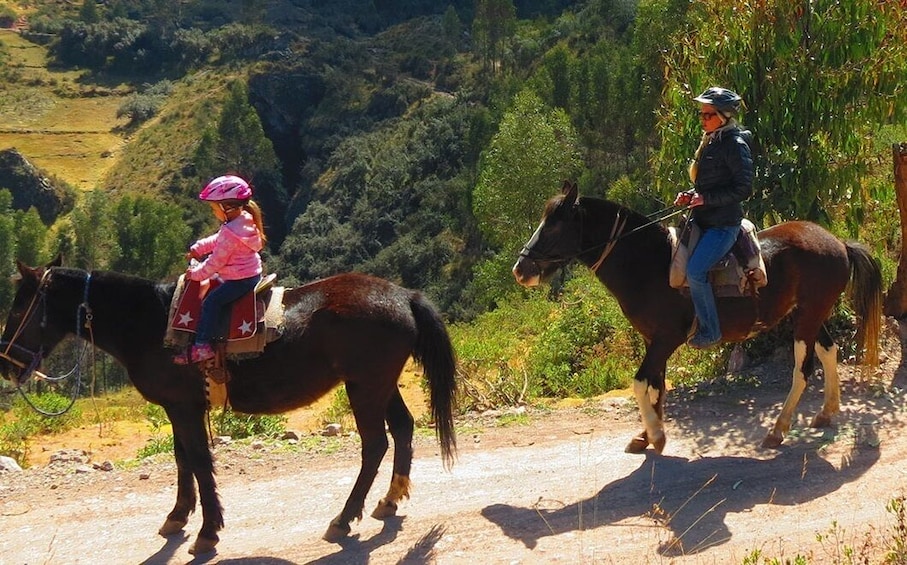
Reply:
x=57, y=261
x=25, y=271
x=571, y=192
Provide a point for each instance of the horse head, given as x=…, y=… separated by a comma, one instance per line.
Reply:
x=556, y=241
x=26, y=335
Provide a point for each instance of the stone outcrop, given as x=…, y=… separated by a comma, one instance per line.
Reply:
x=30, y=187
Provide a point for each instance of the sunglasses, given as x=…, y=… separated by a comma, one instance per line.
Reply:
x=707, y=115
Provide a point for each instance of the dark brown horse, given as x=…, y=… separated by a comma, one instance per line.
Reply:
x=808, y=269
x=350, y=328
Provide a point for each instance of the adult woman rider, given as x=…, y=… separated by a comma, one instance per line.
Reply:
x=722, y=175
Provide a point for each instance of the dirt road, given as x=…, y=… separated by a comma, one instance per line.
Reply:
x=558, y=489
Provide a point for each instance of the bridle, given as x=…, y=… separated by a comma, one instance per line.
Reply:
x=617, y=234
x=38, y=304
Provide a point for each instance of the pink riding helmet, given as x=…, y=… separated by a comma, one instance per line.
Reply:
x=227, y=187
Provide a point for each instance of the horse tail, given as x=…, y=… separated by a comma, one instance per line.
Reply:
x=866, y=297
x=434, y=351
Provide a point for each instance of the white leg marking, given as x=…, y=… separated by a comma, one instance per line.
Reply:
x=798, y=385
x=650, y=418
x=829, y=359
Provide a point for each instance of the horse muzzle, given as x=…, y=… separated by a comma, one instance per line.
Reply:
x=17, y=371
x=526, y=272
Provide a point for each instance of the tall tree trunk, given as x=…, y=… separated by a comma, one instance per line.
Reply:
x=896, y=299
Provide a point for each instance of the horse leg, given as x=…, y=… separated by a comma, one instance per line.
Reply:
x=828, y=356
x=400, y=423
x=189, y=427
x=370, y=423
x=803, y=366
x=185, y=493
x=649, y=390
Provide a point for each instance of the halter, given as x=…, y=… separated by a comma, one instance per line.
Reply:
x=39, y=301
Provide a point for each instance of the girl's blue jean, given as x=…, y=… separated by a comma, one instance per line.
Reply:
x=214, y=306
x=714, y=244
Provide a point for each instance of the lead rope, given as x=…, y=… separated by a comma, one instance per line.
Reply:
x=77, y=368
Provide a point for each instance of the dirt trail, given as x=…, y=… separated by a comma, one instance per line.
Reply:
x=558, y=490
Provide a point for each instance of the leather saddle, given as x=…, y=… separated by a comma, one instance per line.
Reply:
x=740, y=273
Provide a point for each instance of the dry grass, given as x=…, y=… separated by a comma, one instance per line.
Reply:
x=63, y=127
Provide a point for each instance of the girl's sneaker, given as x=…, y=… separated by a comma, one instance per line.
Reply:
x=195, y=354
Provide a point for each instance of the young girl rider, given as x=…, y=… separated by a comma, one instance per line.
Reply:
x=231, y=254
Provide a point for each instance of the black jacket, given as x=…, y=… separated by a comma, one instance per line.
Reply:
x=724, y=179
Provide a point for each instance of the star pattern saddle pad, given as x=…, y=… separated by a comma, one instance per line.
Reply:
x=245, y=313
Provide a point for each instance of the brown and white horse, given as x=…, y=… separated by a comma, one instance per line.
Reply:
x=808, y=269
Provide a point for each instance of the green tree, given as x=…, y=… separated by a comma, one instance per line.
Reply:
x=88, y=13
x=494, y=22
x=7, y=249
x=31, y=234
x=93, y=232
x=243, y=146
x=819, y=77
x=534, y=151
x=151, y=236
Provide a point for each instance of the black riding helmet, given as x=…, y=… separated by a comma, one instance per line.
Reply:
x=725, y=101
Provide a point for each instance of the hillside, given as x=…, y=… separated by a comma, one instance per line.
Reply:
x=64, y=126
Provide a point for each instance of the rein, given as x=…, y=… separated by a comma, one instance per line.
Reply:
x=617, y=234
x=83, y=311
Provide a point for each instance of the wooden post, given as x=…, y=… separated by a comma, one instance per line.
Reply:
x=896, y=299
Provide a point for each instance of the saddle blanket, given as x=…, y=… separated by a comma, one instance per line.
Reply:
x=255, y=319
x=741, y=269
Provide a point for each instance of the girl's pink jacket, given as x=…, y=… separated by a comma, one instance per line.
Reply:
x=233, y=251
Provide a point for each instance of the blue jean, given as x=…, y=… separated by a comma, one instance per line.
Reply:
x=714, y=244
x=214, y=303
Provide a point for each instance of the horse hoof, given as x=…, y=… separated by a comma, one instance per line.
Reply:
x=336, y=532
x=821, y=421
x=385, y=509
x=772, y=441
x=171, y=527
x=637, y=445
x=659, y=444
x=203, y=546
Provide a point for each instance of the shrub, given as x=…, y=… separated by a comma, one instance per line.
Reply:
x=239, y=425
x=575, y=344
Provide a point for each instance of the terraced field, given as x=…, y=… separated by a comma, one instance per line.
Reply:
x=63, y=123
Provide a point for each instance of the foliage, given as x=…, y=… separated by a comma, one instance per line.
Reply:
x=576, y=343
x=392, y=203
x=238, y=425
x=493, y=23
x=534, y=150
x=817, y=77
x=151, y=237
x=145, y=105
x=587, y=347
x=8, y=244
x=31, y=235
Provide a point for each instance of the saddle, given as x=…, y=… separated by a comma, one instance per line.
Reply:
x=740, y=273
x=255, y=320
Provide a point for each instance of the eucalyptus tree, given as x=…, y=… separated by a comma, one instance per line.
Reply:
x=818, y=77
